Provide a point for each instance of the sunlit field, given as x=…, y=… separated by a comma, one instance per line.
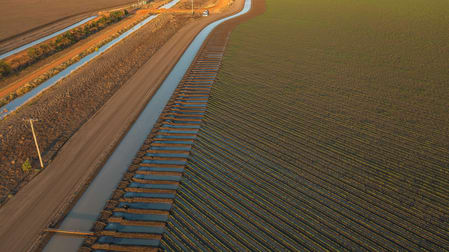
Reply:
x=327, y=129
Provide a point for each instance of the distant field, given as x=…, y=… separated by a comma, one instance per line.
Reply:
x=327, y=129
x=376, y=66
x=19, y=16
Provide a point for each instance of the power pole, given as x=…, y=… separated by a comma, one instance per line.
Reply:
x=35, y=141
x=192, y=7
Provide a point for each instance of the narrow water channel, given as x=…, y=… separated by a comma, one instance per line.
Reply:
x=19, y=101
x=86, y=210
x=26, y=46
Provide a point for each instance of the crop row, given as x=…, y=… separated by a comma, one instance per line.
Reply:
x=266, y=158
x=345, y=171
x=317, y=182
x=324, y=106
x=360, y=142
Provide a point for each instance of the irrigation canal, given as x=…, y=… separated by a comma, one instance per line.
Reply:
x=173, y=117
x=38, y=41
x=19, y=101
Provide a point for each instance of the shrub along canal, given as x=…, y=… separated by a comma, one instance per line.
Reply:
x=19, y=101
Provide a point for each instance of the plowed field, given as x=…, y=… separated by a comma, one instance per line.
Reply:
x=328, y=129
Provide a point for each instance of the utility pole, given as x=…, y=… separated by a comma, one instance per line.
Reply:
x=35, y=141
x=192, y=7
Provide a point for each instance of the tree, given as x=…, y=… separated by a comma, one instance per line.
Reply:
x=5, y=69
x=33, y=53
x=45, y=49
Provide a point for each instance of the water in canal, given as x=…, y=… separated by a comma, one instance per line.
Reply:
x=86, y=210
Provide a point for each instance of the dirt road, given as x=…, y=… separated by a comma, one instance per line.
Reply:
x=71, y=53
x=35, y=206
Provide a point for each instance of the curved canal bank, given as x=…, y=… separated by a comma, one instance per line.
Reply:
x=52, y=192
x=86, y=210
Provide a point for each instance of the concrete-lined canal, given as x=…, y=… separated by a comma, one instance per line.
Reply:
x=38, y=41
x=86, y=210
x=19, y=101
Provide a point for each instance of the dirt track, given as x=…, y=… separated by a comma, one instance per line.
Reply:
x=83, y=154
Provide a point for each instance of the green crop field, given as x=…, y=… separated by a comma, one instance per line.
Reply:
x=328, y=128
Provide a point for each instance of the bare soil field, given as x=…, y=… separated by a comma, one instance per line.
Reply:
x=27, y=16
x=327, y=130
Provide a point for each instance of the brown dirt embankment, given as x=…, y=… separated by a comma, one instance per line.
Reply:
x=65, y=108
x=27, y=69
x=216, y=39
x=98, y=103
x=69, y=54
x=185, y=8
x=62, y=110
x=16, y=143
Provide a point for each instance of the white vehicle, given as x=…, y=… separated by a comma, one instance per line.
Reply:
x=205, y=13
